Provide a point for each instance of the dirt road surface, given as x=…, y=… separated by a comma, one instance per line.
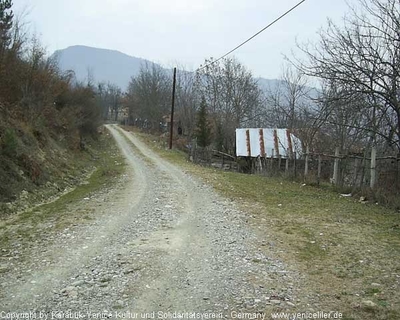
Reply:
x=161, y=241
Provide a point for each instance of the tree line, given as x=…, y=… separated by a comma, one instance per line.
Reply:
x=342, y=91
x=211, y=102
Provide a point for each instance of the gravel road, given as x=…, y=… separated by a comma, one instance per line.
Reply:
x=161, y=241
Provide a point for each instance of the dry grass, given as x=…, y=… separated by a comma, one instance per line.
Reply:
x=109, y=165
x=347, y=251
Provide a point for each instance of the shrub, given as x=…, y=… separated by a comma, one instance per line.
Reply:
x=9, y=143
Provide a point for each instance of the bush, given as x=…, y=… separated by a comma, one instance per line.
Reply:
x=9, y=143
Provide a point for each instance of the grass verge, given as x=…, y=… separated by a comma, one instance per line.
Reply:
x=347, y=251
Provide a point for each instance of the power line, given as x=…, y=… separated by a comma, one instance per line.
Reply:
x=255, y=35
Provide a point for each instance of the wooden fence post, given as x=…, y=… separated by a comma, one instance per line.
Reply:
x=336, y=167
x=373, y=167
x=355, y=172
x=398, y=167
x=279, y=163
x=319, y=170
x=294, y=164
x=287, y=165
x=272, y=161
x=194, y=151
x=363, y=162
x=306, y=163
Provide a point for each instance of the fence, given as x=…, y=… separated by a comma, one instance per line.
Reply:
x=341, y=169
x=350, y=170
x=213, y=158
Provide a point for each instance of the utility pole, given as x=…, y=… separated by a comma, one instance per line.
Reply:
x=172, y=111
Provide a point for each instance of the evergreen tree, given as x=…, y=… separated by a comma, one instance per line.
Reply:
x=6, y=17
x=203, y=132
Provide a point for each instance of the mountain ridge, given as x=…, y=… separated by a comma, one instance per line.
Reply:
x=108, y=65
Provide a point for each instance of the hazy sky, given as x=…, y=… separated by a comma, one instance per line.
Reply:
x=169, y=31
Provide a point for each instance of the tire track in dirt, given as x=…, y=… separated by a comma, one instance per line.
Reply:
x=187, y=257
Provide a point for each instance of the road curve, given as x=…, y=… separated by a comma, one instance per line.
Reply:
x=161, y=242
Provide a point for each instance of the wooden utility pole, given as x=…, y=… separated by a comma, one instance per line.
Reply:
x=172, y=111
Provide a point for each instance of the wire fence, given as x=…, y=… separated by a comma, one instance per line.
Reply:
x=366, y=171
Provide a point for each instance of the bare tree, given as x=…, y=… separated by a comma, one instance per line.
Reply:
x=114, y=96
x=186, y=101
x=295, y=105
x=232, y=95
x=343, y=120
x=102, y=99
x=289, y=99
x=149, y=95
x=363, y=59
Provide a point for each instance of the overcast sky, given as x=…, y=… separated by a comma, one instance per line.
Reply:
x=184, y=31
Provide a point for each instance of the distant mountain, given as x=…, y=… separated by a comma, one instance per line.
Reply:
x=103, y=64
x=116, y=67
x=272, y=85
x=269, y=84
